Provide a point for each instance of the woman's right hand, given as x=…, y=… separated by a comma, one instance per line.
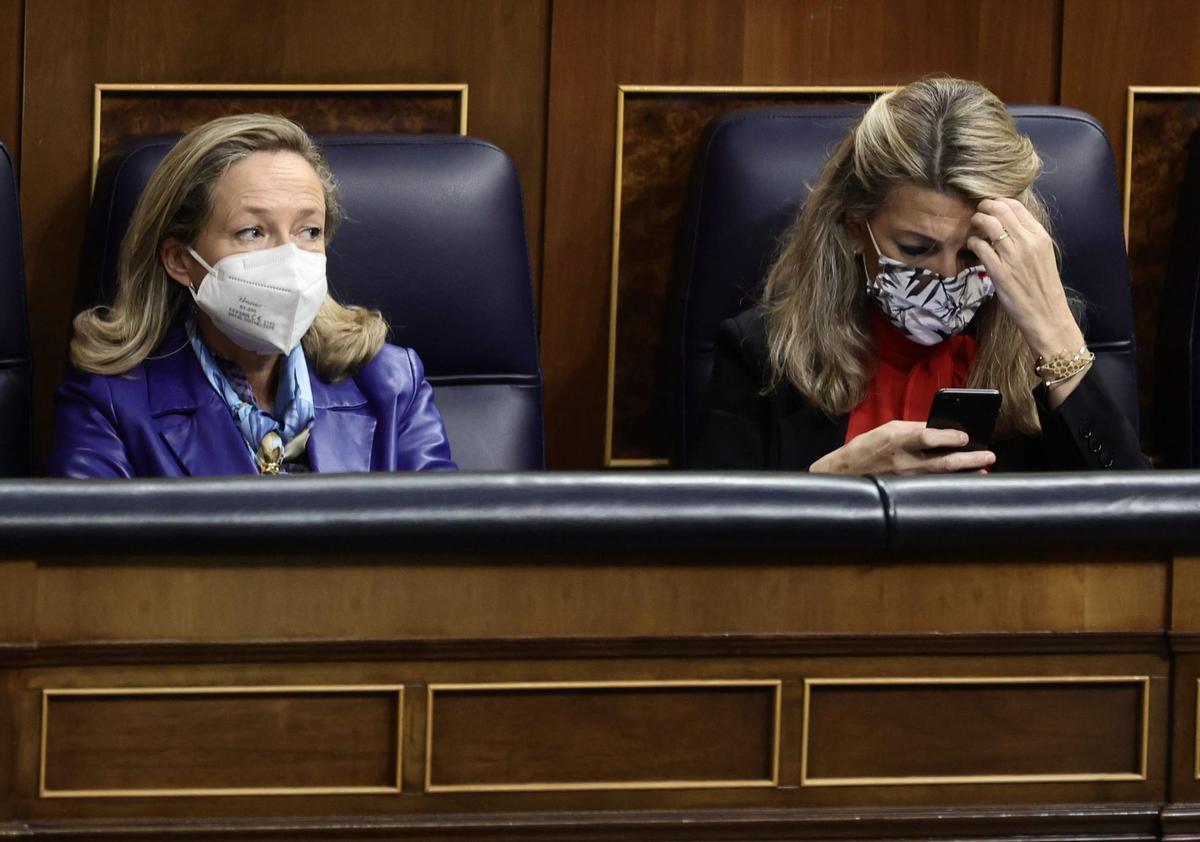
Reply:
x=904, y=447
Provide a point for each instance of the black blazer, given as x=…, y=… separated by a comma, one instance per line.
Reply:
x=780, y=430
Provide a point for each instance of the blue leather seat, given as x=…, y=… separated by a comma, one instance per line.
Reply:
x=435, y=239
x=751, y=176
x=15, y=358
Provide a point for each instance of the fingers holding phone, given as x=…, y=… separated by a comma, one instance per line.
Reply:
x=905, y=447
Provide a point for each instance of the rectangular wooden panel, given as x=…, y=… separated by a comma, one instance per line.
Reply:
x=603, y=735
x=177, y=741
x=122, y=112
x=869, y=732
x=582, y=595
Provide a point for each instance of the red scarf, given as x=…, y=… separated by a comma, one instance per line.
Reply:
x=908, y=376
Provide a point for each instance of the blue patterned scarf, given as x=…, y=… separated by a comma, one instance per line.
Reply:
x=293, y=409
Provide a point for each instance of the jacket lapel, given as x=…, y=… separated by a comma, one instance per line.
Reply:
x=343, y=433
x=192, y=419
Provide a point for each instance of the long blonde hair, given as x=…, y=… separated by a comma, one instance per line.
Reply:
x=942, y=134
x=177, y=203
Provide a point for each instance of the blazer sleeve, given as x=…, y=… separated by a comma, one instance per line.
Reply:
x=421, y=442
x=86, y=442
x=1088, y=431
x=735, y=426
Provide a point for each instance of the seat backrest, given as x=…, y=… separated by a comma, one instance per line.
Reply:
x=15, y=355
x=435, y=239
x=753, y=172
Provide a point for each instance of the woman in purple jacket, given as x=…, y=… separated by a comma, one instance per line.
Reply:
x=223, y=352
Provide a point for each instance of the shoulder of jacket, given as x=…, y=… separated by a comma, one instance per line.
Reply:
x=747, y=332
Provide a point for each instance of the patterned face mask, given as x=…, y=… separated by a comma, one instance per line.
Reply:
x=925, y=306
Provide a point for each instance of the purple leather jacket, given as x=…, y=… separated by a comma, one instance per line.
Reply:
x=164, y=419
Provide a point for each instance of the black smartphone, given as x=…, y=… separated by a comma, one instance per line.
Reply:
x=973, y=411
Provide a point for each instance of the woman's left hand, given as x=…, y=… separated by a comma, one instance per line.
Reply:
x=1018, y=254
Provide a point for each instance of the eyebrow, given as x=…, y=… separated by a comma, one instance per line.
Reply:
x=268, y=211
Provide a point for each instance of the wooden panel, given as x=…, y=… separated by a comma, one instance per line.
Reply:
x=498, y=47
x=12, y=40
x=660, y=135
x=583, y=596
x=903, y=731
x=597, y=45
x=602, y=736
x=17, y=580
x=516, y=663
x=1160, y=128
x=126, y=113
x=1108, y=46
x=1185, y=756
x=226, y=741
x=1185, y=594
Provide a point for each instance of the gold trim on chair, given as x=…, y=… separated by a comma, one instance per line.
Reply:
x=773, y=781
x=1143, y=759
x=615, y=263
x=100, y=89
x=48, y=693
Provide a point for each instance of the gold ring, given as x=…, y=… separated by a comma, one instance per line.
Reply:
x=1001, y=237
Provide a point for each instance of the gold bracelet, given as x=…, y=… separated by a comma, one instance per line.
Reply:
x=1063, y=366
x=1050, y=384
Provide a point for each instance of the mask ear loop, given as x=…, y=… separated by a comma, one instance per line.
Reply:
x=192, y=289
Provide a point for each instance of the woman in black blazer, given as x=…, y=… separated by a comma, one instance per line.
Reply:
x=920, y=261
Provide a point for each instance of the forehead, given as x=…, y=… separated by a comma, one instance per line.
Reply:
x=270, y=180
x=926, y=211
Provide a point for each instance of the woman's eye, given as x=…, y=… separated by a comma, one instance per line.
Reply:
x=312, y=233
x=913, y=251
x=251, y=233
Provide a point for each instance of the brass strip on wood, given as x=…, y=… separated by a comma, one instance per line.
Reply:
x=433, y=689
x=1143, y=759
x=48, y=693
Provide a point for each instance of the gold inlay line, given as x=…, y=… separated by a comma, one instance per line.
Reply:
x=210, y=690
x=909, y=780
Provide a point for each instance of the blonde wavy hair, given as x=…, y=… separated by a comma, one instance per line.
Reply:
x=177, y=203
x=941, y=134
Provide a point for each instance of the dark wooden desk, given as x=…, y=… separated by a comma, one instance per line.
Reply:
x=569, y=667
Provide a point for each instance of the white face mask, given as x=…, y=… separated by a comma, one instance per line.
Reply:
x=263, y=300
x=925, y=306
